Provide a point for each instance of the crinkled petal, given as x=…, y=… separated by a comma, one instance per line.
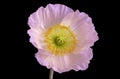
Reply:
x=44, y=18
x=36, y=38
x=49, y=16
x=36, y=19
x=51, y=61
x=84, y=56
x=81, y=24
x=76, y=61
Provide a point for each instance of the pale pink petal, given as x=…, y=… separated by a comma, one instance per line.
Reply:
x=85, y=56
x=45, y=58
x=44, y=18
x=36, y=38
x=82, y=26
x=49, y=16
x=36, y=19
x=55, y=13
x=76, y=61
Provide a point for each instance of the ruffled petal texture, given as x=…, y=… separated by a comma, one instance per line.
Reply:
x=67, y=62
x=43, y=19
x=82, y=26
x=79, y=23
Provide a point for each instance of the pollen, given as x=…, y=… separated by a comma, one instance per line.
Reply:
x=60, y=40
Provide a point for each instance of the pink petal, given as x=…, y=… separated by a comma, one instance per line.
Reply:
x=36, y=38
x=36, y=19
x=81, y=24
x=44, y=18
x=51, y=61
x=49, y=16
x=79, y=61
x=65, y=63
x=85, y=56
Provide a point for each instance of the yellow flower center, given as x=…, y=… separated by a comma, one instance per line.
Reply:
x=60, y=40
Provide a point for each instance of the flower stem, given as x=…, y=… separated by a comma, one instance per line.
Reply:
x=51, y=74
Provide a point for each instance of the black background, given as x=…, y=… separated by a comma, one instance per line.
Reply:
x=18, y=55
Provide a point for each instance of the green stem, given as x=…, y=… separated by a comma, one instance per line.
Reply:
x=51, y=74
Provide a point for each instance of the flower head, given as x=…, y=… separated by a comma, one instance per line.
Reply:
x=63, y=37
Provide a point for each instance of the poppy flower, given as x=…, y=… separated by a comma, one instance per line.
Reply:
x=63, y=37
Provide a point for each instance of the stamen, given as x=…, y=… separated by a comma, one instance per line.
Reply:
x=60, y=40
